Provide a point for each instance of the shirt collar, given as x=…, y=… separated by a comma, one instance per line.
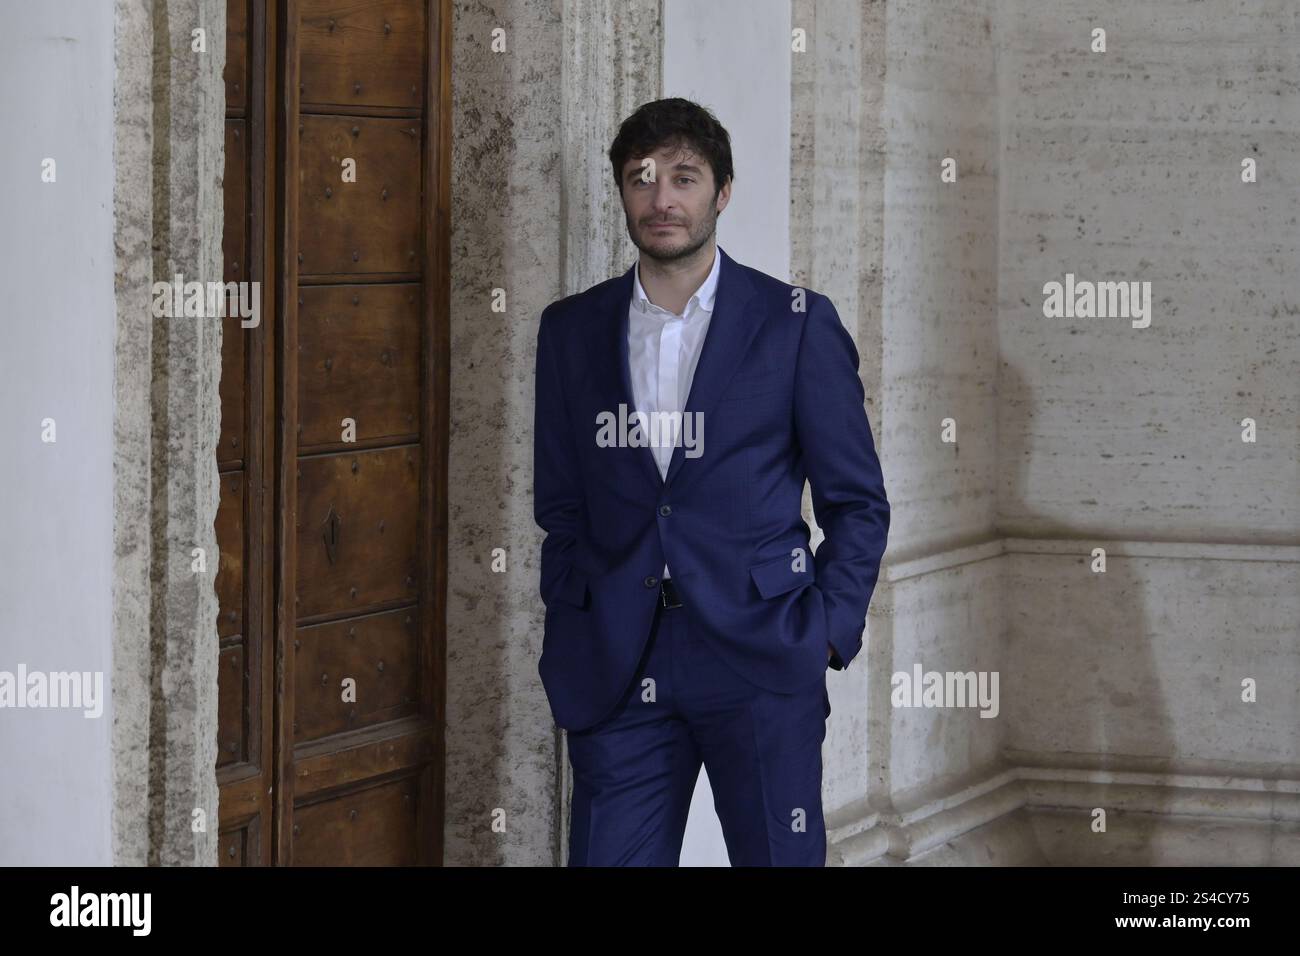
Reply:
x=704, y=296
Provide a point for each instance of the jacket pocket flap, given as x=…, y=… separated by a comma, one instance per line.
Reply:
x=777, y=575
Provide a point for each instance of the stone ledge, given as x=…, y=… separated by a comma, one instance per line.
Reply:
x=1265, y=809
x=916, y=566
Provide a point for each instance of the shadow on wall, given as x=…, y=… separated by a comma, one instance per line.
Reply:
x=1080, y=662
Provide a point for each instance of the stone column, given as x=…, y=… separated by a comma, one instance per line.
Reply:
x=837, y=247
x=612, y=63
x=539, y=90
x=169, y=101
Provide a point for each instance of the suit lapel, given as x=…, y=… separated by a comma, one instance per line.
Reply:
x=609, y=362
x=731, y=330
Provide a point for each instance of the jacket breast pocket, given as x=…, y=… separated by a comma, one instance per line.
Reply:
x=779, y=575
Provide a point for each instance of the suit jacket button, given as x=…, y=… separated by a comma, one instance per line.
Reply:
x=665, y=510
x=651, y=581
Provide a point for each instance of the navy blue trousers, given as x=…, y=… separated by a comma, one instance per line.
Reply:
x=635, y=771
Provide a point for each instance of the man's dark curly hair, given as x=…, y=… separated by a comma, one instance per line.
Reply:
x=668, y=123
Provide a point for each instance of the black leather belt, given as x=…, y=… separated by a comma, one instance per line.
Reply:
x=668, y=596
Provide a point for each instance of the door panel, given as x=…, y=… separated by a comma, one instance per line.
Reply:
x=232, y=701
x=234, y=359
x=379, y=652
x=358, y=516
x=362, y=53
x=375, y=826
x=234, y=849
x=333, y=571
x=231, y=570
x=245, y=658
x=234, y=250
x=358, y=358
x=363, y=339
x=368, y=226
x=234, y=237
x=237, y=73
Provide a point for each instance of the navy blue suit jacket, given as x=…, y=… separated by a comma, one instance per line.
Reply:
x=777, y=385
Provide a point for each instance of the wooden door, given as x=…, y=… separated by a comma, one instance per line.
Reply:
x=245, y=454
x=357, y=432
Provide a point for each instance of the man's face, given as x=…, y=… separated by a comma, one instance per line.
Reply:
x=671, y=213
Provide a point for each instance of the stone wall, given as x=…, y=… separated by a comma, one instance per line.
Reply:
x=169, y=157
x=533, y=214
x=1119, y=690
x=1127, y=165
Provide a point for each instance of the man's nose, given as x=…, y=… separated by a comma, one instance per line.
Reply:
x=662, y=199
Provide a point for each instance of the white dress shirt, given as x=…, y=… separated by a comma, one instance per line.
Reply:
x=663, y=349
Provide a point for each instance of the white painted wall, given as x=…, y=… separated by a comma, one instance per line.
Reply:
x=733, y=56
x=56, y=504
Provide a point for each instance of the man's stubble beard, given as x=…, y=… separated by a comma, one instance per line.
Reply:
x=693, y=243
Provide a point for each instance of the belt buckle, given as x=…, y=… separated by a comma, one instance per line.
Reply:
x=665, y=587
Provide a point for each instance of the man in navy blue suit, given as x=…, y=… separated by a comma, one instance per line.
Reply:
x=687, y=620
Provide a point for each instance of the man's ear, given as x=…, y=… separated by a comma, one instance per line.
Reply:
x=718, y=196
